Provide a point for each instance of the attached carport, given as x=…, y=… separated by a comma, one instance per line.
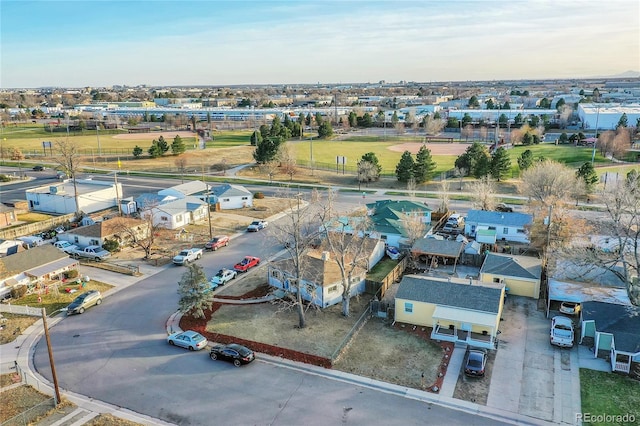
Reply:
x=431, y=251
x=579, y=292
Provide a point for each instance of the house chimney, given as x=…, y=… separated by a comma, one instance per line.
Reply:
x=326, y=256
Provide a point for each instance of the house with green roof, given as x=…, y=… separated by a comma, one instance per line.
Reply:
x=388, y=218
x=459, y=311
x=520, y=274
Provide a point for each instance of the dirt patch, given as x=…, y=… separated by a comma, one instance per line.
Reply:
x=108, y=419
x=13, y=325
x=22, y=398
x=475, y=389
x=436, y=148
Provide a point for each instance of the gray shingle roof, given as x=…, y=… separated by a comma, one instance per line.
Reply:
x=32, y=258
x=474, y=297
x=623, y=321
x=512, y=266
x=498, y=218
x=228, y=190
x=436, y=247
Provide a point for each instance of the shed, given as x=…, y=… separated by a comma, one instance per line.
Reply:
x=431, y=250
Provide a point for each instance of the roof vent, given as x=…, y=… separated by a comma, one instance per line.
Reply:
x=326, y=256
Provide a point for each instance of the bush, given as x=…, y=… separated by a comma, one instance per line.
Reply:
x=5, y=178
x=18, y=292
x=73, y=273
x=258, y=195
x=111, y=246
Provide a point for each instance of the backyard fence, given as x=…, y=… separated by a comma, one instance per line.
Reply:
x=351, y=334
x=34, y=228
x=19, y=309
x=379, y=288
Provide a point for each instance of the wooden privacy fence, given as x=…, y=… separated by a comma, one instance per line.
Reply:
x=380, y=287
x=34, y=228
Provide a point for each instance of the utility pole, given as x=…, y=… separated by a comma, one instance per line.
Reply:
x=98, y=136
x=51, y=362
x=209, y=211
x=593, y=154
x=115, y=179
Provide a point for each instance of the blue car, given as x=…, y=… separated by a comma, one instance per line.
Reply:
x=188, y=339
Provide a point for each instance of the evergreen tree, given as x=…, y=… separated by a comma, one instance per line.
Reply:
x=194, y=290
x=325, y=130
x=525, y=160
x=353, y=119
x=623, y=122
x=137, y=151
x=276, y=127
x=588, y=174
x=264, y=131
x=319, y=119
x=308, y=119
x=476, y=160
x=424, y=166
x=267, y=150
x=474, y=102
x=256, y=138
x=404, y=168
x=178, y=147
x=163, y=145
x=371, y=158
x=155, y=151
x=394, y=119
x=563, y=138
x=500, y=164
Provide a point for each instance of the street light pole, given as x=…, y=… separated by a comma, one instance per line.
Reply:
x=51, y=362
x=593, y=154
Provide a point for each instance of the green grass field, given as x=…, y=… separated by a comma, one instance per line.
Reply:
x=609, y=394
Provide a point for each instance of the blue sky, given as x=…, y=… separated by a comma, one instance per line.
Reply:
x=101, y=43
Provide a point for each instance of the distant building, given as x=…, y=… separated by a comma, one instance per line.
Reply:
x=59, y=198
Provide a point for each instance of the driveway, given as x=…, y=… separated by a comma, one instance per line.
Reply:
x=531, y=377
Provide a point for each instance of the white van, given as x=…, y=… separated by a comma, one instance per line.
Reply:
x=32, y=241
x=455, y=220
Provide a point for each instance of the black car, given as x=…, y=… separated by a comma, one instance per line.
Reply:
x=233, y=352
x=476, y=361
x=38, y=168
x=502, y=207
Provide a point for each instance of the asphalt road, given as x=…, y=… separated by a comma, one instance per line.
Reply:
x=117, y=353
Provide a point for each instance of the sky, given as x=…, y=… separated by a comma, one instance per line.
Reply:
x=163, y=43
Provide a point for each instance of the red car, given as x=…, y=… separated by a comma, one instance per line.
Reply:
x=247, y=263
x=217, y=242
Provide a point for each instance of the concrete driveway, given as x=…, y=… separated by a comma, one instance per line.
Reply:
x=531, y=377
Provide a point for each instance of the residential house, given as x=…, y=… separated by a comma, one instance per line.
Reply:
x=615, y=332
x=194, y=187
x=39, y=264
x=59, y=198
x=456, y=310
x=231, y=197
x=489, y=226
x=174, y=214
x=119, y=229
x=322, y=280
x=388, y=218
x=519, y=274
x=7, y=215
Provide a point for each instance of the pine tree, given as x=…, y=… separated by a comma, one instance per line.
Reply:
x=424, y=166
x=267, y=150
x=137, y=151
x=525, y=160
x=404, y=169
x=256, y=138
x=177, y=146
x=195, y=292
x=163, y=145
x=155, y=151
x=588, y=174
x=500, y=164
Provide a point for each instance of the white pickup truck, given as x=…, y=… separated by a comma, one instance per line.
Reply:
x=96, y=253
x=187, y=256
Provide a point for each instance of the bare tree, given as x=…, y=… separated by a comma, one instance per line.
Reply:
x=483, y=193
x=69, y=160
x=270, y=168
x=144, y=235
x=411, y=187
x=467, y=132
x=297, y=232
x=549, y=181
x=349, y=246
x=181, y=164
x=444, y=196
x=413, y=227
x=433, y=126
x=460, y=172
x=553, y=227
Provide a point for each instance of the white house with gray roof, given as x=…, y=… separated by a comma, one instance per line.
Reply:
x=489, y=226
x=194, y=187
x=175, y=214
x=231, y=196
x=456, y=310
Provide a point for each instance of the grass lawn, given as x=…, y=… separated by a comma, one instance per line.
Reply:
x=32, y=217
x=55, y=300
x=609, y=394
x=381, y=269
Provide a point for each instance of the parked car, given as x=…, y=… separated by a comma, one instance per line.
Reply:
x=456, y=220
x=233, y=352
x=502, y=207
x=247, y=263
x=84, y=301
x=476, y=362
x=188, y=339
x=561, y=332
x=39, y=168
x=450, y=228
x=217, y=242
x=257, y=225
x=223, y=276
x=393, y=252
x=570, y=308
x=65, y=246
x=186, y=256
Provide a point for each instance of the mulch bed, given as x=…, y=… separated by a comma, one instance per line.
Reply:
x=200, y=325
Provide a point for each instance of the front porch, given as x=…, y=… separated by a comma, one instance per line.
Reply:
x=451, y=333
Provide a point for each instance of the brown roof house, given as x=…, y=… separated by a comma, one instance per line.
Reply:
x=39, y=264
x=322, y=281
x=119, y=229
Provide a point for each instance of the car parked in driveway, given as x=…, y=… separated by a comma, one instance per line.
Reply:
x=561, y=332
x=65, y=246
x=191, y=340
x=257, y=225
x=476, y=361
x=237, y=354
x=217, y=242
x=570, y=308
x=247, y=263
x=84, y=302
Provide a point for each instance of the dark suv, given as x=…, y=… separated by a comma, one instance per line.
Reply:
x=84, y=301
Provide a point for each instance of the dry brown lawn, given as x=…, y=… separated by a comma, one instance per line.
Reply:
x=14, y=326
x=22, y=398
x=110, y=420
